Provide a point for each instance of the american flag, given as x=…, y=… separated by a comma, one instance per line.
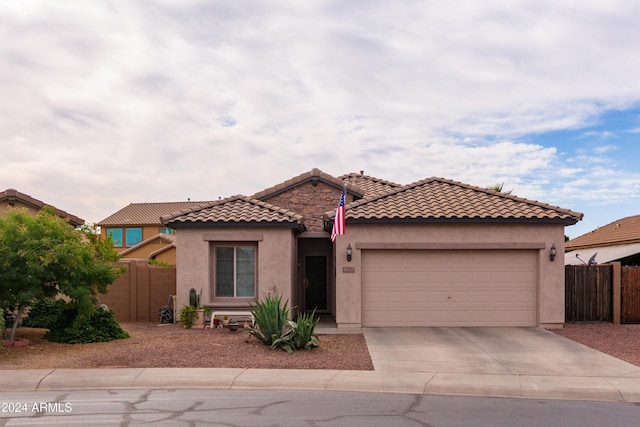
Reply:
x=338, y=221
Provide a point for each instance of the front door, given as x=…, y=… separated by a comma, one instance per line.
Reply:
x=316, y=283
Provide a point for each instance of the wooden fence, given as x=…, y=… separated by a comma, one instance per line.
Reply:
x=588, y=293
x=139, y=293
x=630, y=295
x=602, y=293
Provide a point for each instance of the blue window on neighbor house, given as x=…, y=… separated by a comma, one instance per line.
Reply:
x=134, y=236
x=125, y=236
x=235, y=271
x=116, y=236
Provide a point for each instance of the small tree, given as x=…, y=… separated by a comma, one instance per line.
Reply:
x=42, y=256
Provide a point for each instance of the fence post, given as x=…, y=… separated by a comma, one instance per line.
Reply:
x=617, y=281
x=133, y=286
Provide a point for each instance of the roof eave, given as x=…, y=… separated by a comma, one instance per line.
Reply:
x=221, y=224
x=559, y=221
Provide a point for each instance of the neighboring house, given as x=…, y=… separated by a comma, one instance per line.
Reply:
x=14, y=199
x=617, y=241
x=432, y=253
x=138, y=233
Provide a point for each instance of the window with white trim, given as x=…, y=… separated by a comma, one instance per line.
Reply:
x=234, y=274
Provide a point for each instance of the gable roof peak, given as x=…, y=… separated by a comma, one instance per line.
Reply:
x=314, y=175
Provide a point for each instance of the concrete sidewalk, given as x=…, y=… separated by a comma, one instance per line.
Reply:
x=495, y=362
x=622, y=388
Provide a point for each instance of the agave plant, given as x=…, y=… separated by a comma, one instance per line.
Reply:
x=270, y=319
x=301, y=333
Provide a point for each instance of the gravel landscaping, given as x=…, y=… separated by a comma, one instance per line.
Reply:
x=151, y=345
x=172, y=346
x=621, y=341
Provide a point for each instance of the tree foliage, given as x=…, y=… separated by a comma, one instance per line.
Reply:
x=42, y=256
x=499, y=188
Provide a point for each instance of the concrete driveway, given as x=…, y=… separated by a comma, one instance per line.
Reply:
x=493, y=351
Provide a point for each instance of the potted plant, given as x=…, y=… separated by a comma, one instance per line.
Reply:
x=233, y=325
x=202, y=312
x=216, y=321
x=188, y=315
x=225, y=320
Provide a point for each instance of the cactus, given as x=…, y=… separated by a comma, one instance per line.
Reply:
x=193, y=298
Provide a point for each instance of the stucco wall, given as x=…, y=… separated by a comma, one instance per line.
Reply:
x=276, y=249
x=550, y=274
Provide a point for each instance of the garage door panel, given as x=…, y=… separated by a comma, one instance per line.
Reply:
x=449, y=288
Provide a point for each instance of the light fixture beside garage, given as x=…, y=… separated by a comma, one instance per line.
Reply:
x=349, y=252
x=553, y=252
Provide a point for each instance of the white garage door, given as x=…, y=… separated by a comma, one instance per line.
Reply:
x=449, y=288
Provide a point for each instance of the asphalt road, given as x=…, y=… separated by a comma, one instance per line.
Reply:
x=300, y=408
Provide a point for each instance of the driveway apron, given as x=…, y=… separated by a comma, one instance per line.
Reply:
x=499, y=351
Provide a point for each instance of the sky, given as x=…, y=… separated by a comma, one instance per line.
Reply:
x=105, y=103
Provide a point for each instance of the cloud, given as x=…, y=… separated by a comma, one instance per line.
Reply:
x=110, y=103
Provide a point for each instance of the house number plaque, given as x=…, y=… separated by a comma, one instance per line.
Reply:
x=348, y=269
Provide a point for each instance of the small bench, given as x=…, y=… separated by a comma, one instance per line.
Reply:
x=230, y=314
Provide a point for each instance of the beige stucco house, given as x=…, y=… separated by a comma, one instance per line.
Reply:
x=432, y=253
x=138, y=233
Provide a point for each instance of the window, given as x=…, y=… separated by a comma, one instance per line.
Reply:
x=132, y=236
x=116, y=236
x=167, y=230
x=235, y=270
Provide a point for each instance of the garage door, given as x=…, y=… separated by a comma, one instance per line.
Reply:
x=449, y=288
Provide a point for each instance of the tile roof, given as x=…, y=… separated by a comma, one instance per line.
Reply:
x=148, y=213
x=439, y=199
x=372, y=186
x=314, y=174
x=620, y=232
x=236, y=210
x=14, y=195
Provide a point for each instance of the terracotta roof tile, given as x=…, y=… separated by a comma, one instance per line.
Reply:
x=236, y=210
x=436, y=199
x=372, y=186
x=620, y=232
x=11, y=194
x=147, y=213
x=305, y=177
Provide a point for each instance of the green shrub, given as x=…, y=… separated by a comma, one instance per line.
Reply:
x=270, y=319
x=99, y=326
x=44, y=313
x=158, y=263
x=188, y=314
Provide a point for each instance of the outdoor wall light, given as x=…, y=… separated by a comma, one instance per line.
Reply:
x=553, y=252
x=349, y=252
